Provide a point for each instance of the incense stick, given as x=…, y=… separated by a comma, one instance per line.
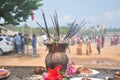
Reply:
x=48, y=35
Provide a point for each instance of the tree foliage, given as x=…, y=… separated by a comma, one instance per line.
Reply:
x=16, y=11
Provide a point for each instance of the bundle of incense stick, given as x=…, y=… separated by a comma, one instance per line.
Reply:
x=74, y=28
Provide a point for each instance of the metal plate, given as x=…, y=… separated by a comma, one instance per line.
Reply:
x=94, y=72
x=80, y=78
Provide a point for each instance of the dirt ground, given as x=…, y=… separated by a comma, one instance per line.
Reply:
x=109, y=57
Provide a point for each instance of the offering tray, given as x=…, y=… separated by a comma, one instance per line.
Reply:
x=80, y=78
x=5, y=76
x=90, y=73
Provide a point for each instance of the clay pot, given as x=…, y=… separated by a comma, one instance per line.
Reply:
x=56, y=55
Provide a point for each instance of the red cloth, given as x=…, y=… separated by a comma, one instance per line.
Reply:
x=53, y=74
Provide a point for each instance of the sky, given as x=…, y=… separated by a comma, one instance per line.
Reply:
x=95, y=12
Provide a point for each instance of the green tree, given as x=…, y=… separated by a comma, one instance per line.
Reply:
x=16, y=11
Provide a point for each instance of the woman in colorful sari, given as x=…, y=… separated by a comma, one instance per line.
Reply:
x=79, y=48
x=89, y=49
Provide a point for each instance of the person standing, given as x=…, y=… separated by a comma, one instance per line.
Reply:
x=89, y=49
x=111, y=40
x=18, y=43
x=34, y=42
x=26, y=44
x=99, y=42
x=103, y=40
x=79, y=48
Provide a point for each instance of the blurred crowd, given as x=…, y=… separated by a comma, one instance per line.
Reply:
x=22, y=42
x=98, y=40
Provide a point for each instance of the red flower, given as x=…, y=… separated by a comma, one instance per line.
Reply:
x=53, y=74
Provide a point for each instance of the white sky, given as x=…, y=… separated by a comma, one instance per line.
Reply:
x=95, y=11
